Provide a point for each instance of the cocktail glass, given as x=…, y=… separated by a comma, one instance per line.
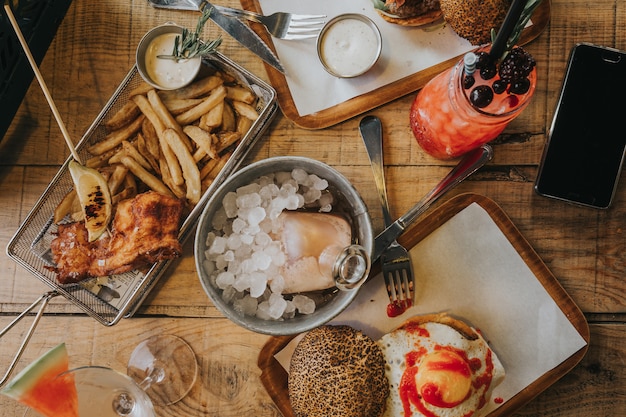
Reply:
x=104, y=392
x=447, y=124
x=161, y=371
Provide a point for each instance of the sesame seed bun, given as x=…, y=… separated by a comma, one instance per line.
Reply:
x=337, y=371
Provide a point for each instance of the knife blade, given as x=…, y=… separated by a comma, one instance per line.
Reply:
x=241, y=32
x=466, y=167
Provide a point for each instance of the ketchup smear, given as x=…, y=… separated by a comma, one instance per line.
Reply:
x=396, y=308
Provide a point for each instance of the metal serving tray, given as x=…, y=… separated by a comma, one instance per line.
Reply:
x=108, y=299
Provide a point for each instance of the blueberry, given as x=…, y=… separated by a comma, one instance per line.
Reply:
x=481, y=96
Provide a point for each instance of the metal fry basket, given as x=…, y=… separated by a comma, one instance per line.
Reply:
x=108, y=299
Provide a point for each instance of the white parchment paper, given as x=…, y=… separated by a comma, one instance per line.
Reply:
x=405, y=52
x=468, y=268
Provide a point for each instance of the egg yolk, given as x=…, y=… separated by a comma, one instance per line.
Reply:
x=443, y=379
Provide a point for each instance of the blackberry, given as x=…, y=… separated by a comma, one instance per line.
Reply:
x=499, y=86
x=468, y=81
x=517, y=65
x=520, y=86
x=481, y=96
x=486, y=66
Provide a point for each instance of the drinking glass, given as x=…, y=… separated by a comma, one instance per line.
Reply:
x=447, y=124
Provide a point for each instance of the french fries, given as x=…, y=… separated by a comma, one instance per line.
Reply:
x=174, y=142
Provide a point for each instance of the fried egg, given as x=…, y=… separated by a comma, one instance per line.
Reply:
x=436, y=370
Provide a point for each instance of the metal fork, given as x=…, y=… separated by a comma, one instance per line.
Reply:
x=396, y=264
x=282, y=25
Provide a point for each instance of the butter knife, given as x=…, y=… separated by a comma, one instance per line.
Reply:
x=466, y=167
x=233, y=26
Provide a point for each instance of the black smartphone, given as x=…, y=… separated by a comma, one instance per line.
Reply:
x=584, y=154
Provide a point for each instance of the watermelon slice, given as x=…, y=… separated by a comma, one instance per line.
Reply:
x=40, y=387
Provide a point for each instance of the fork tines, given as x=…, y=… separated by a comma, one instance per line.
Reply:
x=399, y=285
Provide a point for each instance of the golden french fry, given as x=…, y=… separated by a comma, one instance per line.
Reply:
x=159, y=126
x=195, y=89
x=148, y=111
x=199, y=155
x=208, y=167
x=147, y=178
x=65, y=207
x=166, y=117
x=226, y=140
x=142, y=147
x=188, y=165
x=151, y=137
x=125, y=194
x=116, y=137
x=131, y=151
x=101, y=160
x=213, y=118
x=213, y=173
x=239, y=93
x=125, y=115
x=243, y=125
x=116, y=179
x=167, y=179
x=245, y=110
x=190, y=116
x=180, y=105
x=202, y=138
x=142, y=88
x=130, y=183
x=229, y=120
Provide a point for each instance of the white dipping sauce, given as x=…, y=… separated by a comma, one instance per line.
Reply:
x=349, y=47
x=165, y=72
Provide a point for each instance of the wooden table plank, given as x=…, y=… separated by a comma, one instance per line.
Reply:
x=584, y=248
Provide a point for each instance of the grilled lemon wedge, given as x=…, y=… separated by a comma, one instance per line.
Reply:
x=95, y=198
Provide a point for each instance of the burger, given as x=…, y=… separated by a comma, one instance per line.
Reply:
x=474, y=19
x=409, y=12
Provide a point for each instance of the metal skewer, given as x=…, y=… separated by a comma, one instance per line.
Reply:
x=42, y=83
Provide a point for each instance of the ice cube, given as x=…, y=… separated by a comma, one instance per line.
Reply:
x=303, y=304
x=277, y=305
x=248, y=200
x=218, y=245
x=230, y=204
x=225, y=279
x=258, y=284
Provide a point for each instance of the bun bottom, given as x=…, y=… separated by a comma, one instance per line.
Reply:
x=421, y=20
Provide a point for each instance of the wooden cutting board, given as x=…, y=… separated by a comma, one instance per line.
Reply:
x=274, y=377
x=372, y=99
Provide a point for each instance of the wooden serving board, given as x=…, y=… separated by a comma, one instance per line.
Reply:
x=370, y=100
x=274, y=377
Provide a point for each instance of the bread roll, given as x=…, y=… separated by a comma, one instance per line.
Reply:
x=337, y=371
x=474, y=19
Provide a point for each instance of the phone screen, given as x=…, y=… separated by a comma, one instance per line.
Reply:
x=585, y=150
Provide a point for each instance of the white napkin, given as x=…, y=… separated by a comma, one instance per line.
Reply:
x=406, y=51
x=468, y=268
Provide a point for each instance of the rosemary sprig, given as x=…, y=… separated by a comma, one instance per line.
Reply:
x=189, y=45
x=527, y=12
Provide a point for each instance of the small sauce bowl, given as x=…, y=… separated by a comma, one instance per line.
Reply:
x=349, y=45
x=164, y=73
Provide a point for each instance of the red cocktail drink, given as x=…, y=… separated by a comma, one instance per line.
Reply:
x=459, y=111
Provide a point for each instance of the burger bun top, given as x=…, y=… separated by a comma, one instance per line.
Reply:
x=421, y=20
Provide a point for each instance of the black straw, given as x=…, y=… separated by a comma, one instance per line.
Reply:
x=510, y=21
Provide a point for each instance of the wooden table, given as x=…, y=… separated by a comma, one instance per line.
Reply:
x=93, y=50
